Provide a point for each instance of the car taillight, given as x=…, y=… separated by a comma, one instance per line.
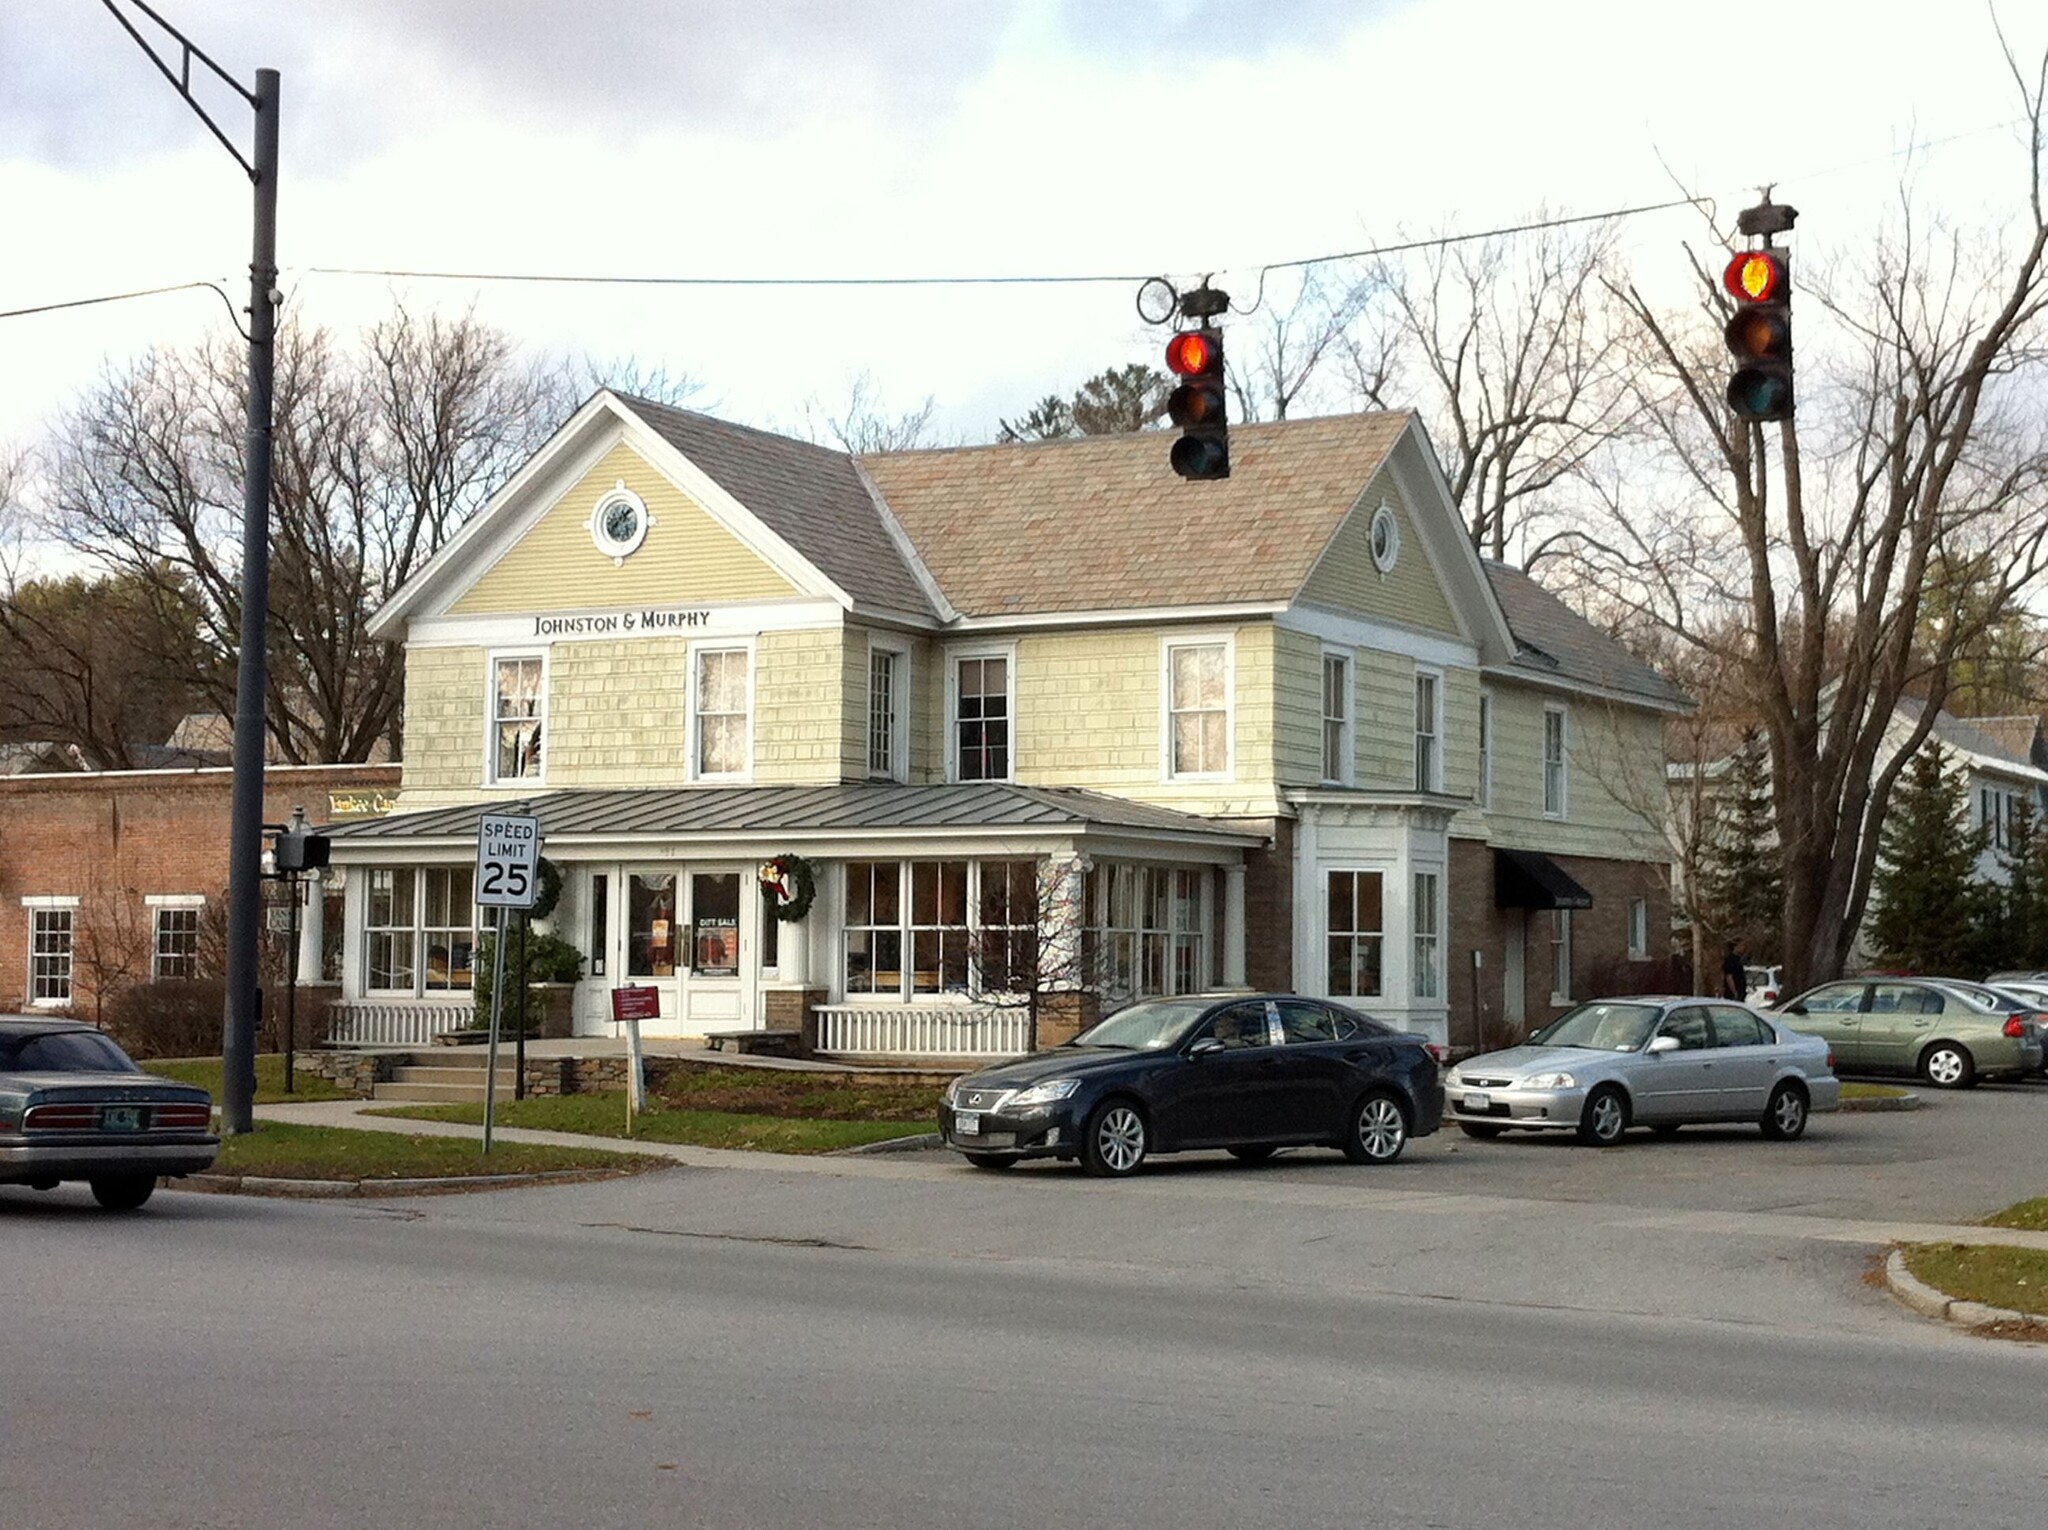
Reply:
x=1831, y=1059
x=61, y=1118
x=2015, y=1027
x=184, y=1117
x=1436, y=1053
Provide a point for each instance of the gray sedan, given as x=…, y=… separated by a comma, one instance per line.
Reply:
x=1657, y=1062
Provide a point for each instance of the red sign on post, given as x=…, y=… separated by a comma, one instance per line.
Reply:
x=640, y=1002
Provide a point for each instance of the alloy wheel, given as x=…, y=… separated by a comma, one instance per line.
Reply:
x=1382, y=1131
x=1120, y=1139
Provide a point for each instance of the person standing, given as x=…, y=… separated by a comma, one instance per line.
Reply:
x=1734, y=972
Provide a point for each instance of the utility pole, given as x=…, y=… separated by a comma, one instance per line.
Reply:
x=245, y=837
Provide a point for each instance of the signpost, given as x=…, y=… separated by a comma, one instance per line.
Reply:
x=507, y=876
x=629, y=1007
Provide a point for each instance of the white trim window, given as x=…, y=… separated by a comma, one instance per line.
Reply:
x=1560, y=956
x=982, y=687
x=1145, y=931
x=1638, y=929
x=918, y=929
x=519, y=700
x=1998, y=812
x=1555, y=783
x=721, y=701
x=174, y=939
x=1198, y=709
x=1427, y=914
x=1428, y=729
x=1486, y=749
x=419, y=930
x=1338, y=753
x=52, y=925
x=888, y=713
x=1356, y=929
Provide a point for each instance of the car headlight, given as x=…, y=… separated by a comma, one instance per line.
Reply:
x=1456, y=1079
x=1550, y=1081
x=953, y=1089
x=1042, y=1094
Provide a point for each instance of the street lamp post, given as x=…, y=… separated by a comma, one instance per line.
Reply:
x=245, y=834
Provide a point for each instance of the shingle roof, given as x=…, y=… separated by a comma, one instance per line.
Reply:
x=729, y=810
x=2006, y=739
x=1100, y=523
x=810, y=496
x=1553, y=639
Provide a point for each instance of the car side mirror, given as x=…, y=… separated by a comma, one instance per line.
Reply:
x=1795, y=1009
x=1659, y=1044
x=1203, y=1048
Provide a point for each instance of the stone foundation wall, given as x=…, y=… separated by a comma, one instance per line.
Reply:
x=357, y=1072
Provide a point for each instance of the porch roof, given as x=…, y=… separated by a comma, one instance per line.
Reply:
x=847, y=808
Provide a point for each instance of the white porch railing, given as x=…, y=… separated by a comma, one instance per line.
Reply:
x=393, y=1022
x=909, y=1030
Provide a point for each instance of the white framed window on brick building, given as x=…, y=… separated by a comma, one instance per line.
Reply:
x=1638, y=929
x=1338, y=750
x=420, y=930
x=174, y=935
x=721, y=708
x=1555, y=784
x=1357, y=927
x=981, y=699
x=1195, y=683
x=519, y=702
x=1428, y=730
x=1560, y=956
x=52, y=925
x=888, y=713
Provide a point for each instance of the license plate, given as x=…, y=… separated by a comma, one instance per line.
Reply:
x=967, y=1125
x=121, y=1118
x=1478, y=1102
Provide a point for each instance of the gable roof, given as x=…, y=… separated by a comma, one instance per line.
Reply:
x=1553, y=640
x=811, y=496
x=1099, y=523
x=1998, y=743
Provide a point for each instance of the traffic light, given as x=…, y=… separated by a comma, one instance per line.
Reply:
x=1197, y=405
x=1759, y=336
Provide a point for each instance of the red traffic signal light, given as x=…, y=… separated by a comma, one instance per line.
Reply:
x=1759, y=335
x=1198, y=406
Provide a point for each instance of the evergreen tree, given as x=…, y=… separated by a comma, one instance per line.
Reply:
x=1742, y=891
x=2008, y=932
x=1929, y=905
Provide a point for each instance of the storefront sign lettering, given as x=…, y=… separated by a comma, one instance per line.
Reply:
x=373, y=803
x=618, y=623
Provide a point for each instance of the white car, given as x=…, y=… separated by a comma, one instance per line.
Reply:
x=1765, y=984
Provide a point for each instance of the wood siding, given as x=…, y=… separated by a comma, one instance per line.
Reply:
x=1346, y=579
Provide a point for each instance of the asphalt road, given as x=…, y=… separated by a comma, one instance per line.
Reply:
x=904, y=1342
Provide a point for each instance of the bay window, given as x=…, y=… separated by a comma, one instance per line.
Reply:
x=420, y=929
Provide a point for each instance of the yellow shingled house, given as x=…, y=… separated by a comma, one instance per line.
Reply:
x=941, y=752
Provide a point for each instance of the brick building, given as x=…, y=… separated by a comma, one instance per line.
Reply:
x=116, y=877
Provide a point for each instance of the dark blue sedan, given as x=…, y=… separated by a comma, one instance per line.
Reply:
x=1243, y=1072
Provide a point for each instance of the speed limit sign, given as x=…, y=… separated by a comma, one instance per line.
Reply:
x=507, y=860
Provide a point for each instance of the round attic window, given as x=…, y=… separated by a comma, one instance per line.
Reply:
x=1386, y=538
x=619, y=523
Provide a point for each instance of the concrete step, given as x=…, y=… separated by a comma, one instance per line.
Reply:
x=437, y=1094
x=466, y=1078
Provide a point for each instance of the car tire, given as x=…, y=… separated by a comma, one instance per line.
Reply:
x=991, y=1160
x=1605, y=1117
x=1784, y=1118
x=1475, y=1130
x=1252, y=1152
x=1378, y=1131
x=1949, y=1065
x=1115, y=1140
x=1667, y=1128
x=123, y=1192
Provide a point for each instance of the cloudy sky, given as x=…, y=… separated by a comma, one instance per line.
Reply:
x=927, y=137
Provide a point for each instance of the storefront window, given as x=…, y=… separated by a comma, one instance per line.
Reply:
x=968, y=927
x=333, y=922
x=420, y=929
x=389, y=928
x=1357, y=925
x=1006, y=944
x=874, y=936
x=1147, y=932
x=938, y=926
x=600, y=922
x=651, y=924
x=715, y=922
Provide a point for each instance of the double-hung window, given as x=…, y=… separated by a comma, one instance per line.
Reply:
x=888, y=712
x=1426, y=730
x=1560, y=956
x=1638, y=929
x=1554, y=783
x=420, y=929
x=174, y=939
x=50, y=930
x=1198, y=709
x=1356, y=929
x=518, y=716
x=719, y=718
x=981, y=717
x=1486, y=749
x=1337, y=752
x=939, y=927
x=1429, y=962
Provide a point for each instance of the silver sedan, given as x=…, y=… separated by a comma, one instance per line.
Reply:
x=1658, y=1062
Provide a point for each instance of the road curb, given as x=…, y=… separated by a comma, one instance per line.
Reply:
x=1927, y=1301
x=916, y=1144
x=339, y=1189
x=1906, y=1101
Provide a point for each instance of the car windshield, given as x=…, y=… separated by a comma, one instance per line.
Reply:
x=1600, y=1028
x=1145, y=1027
x=63, y=1052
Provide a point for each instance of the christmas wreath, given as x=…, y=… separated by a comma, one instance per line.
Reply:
x=789, y=884
x=549, y=892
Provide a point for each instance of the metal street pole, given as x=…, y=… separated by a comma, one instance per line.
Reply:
x=245, y=832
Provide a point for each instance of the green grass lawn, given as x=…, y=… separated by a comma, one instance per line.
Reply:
x=277, y=1151
x=206, y=1073
x=2013, y=1278
x=2032, y=1215
x=1873, y=1092
x=604, y=1115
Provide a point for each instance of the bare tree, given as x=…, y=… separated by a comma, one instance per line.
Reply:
x=865, y=424
x=381, y=453
x=1280, y=356
x=1913, y=511
x=1507, y=347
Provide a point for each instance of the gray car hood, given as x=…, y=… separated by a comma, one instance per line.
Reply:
x=1515, y=1062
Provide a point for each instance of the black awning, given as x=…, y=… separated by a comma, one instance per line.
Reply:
x=1531, y=879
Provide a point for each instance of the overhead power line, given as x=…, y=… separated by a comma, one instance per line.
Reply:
x=118, y=297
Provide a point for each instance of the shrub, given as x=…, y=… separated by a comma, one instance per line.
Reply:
x=185, y=1017
x=549, y=959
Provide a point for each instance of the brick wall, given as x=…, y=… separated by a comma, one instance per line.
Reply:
x=112, y=838
x=1269, y=908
